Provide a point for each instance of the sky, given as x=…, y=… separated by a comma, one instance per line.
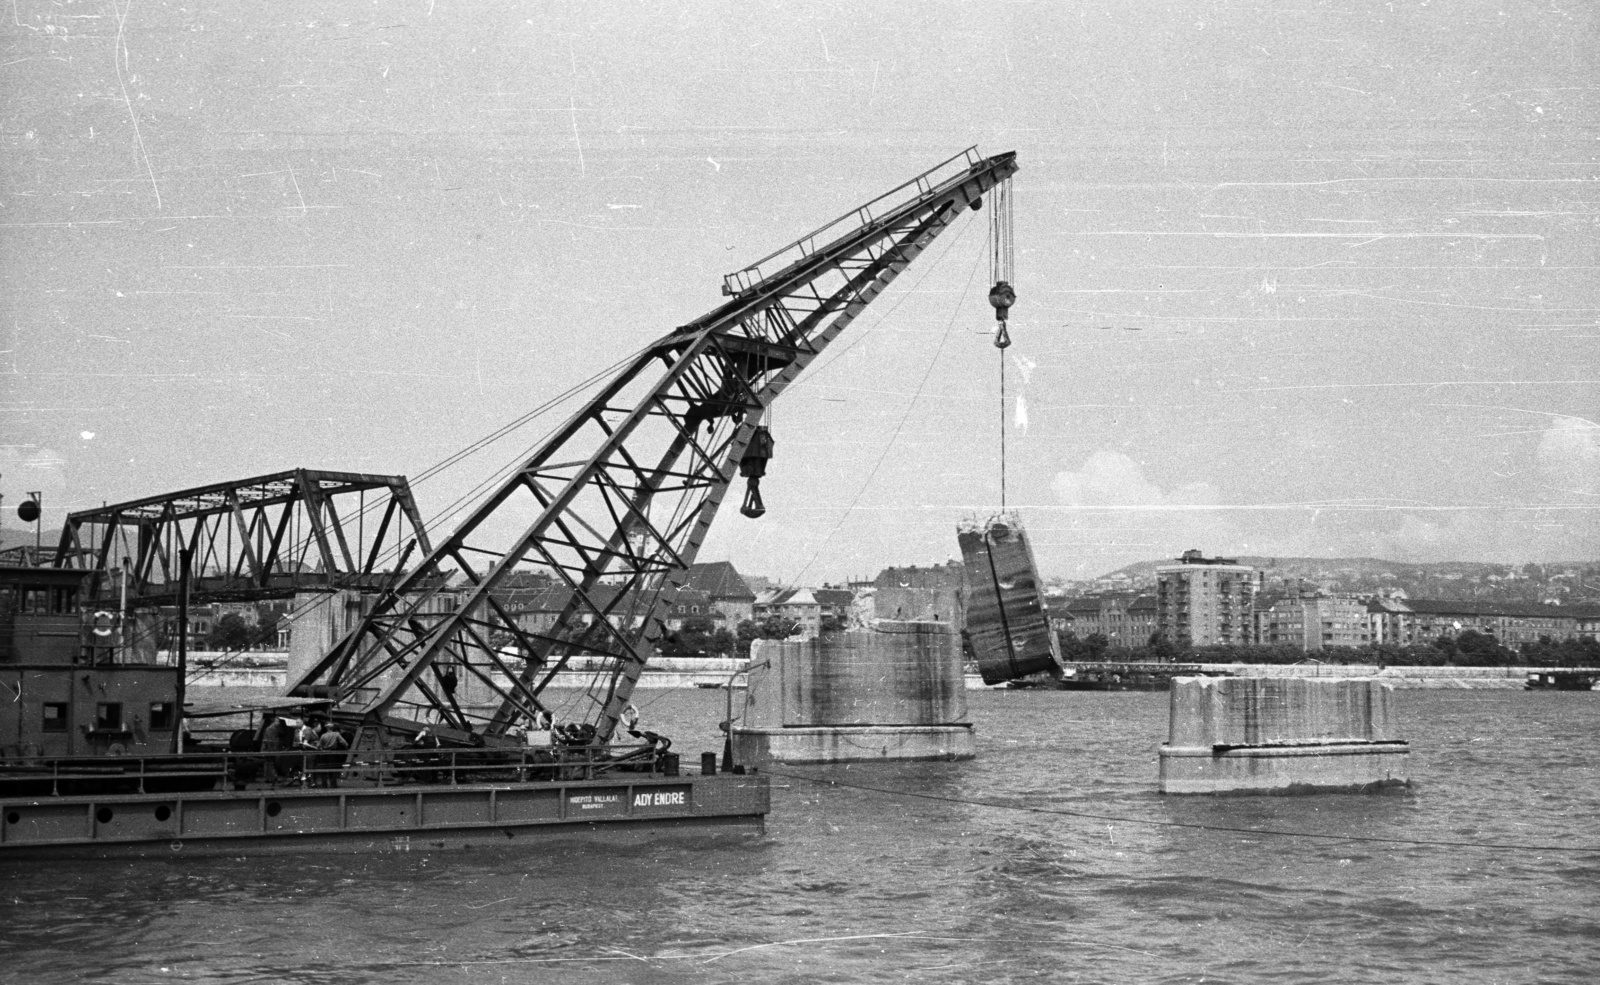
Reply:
x=1309, y=279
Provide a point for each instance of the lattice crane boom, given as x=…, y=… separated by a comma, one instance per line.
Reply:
x=613, y=507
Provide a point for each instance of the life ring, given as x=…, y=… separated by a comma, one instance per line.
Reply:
x=104, y=623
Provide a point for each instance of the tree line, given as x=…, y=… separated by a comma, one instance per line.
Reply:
x=700, y=636
x=1467, y=649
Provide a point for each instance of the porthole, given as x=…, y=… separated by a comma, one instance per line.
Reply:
x=104, y=815
x=163, y=812
x=274, y=809
x=13, y=817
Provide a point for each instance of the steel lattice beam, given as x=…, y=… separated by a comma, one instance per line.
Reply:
x=620, y=497
x=260, y=538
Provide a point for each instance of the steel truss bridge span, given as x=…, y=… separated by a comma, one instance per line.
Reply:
x=266, y=537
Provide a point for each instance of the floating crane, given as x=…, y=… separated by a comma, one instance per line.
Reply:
x=612, y=508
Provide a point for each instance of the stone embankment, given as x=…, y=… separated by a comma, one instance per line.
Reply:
x=1463, y=678
x=267, y=669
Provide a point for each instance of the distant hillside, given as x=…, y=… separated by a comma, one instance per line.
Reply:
x=1563, y=581
x=21, y=542
x=17, y=537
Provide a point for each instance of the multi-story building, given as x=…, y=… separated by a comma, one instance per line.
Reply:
x=1126, y=620
x=1316, y=622
x=806, y=606
x=1203, y=601
x=1586, y=618
x=685, y=604
x=728, y=592
x=1385, y=620
x=1407, y=621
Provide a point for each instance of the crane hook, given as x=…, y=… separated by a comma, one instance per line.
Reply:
x=753, y=465
x=1002, y=296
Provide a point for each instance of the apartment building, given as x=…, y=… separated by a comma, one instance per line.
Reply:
x=1204, y=601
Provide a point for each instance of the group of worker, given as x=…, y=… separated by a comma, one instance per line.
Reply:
x=541, y=732
x=314, y=754
x=320, y=747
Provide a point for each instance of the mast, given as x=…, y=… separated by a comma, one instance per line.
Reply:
x=612, y=508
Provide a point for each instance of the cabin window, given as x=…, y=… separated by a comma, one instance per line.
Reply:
x=160, y=715
x=108, y=716
x=55, y=716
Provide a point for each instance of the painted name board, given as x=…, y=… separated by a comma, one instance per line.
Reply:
x=595, y=802
x=621, y=801
x=661, y=797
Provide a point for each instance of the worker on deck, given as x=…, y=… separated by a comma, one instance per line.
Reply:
x=539, y=734
x=274, y=737
x=331, y=745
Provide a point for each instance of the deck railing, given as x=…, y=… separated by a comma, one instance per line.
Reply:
x=859, y=218
x=316, y=768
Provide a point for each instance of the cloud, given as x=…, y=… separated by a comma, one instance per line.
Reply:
x=1110, y=478
x=1569, y=454
x=1114, y=514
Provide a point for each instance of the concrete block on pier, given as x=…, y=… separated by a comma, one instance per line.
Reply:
x=895, y=692
x=1281, y=735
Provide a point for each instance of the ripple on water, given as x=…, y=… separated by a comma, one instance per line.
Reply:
x=948, y=889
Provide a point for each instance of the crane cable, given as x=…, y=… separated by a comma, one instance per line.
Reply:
x=303, y=609
x=1002, y=271
x=910, y=405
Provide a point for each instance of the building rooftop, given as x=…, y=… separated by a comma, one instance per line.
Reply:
x=1458, y=607
x=1193, y=556
x=719, y=580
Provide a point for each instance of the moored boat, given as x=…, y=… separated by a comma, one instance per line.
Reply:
x=1561, y=680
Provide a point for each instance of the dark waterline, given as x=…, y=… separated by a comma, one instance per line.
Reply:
x=877, y=887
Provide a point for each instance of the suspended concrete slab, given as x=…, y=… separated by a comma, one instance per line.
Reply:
x=1006, y=620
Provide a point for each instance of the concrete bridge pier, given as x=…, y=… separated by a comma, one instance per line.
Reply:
x=1273, y=735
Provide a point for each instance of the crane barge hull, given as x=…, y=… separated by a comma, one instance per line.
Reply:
x=442, y=817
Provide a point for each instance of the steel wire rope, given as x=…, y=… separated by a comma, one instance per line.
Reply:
x=596, y=673
x=231, y=657
x=910, y=406
x=391, y=553
x=1002, y=271
x=837, y=355
x=823, y=368
x=1193, y=825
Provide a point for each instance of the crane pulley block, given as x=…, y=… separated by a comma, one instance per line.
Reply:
x=1002, y=295
x=753, y=465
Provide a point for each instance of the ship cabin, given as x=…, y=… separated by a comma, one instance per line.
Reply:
x=79, y=682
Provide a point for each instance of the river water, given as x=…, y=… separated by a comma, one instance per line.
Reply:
x=854, y=884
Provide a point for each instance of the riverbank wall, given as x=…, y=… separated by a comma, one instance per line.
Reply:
x=269, y=668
